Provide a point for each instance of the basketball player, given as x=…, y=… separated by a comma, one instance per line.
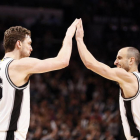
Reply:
x=128, y=77
x=15, y=70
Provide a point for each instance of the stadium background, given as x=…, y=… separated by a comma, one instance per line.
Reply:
x=74, y=103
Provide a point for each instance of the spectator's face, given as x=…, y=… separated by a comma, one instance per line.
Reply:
x=122, y=61
x=26, y=47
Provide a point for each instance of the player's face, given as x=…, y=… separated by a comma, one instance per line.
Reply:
x=122, y=61
x=26, y=47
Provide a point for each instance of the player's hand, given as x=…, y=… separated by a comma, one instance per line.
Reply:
x=71, y=30
x=79, y=31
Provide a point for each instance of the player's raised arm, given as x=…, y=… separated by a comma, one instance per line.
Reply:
x=115, y=74
x=32, y=65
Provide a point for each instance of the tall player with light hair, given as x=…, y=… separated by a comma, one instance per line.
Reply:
x=15, y=70
x=128, y=77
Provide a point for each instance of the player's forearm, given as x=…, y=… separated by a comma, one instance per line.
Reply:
x=65, y=52
x=87, y=58
x=92, y=64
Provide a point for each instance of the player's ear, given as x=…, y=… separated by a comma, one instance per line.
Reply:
x=132, y=60
x=18, y=44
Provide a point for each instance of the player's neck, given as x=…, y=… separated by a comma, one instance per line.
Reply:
x=13, y=54
x=134, y=69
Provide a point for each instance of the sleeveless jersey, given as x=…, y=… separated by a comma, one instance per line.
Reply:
x=130, y=113
x=14, y=106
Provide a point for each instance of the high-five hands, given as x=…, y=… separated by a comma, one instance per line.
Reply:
x=71, y=30
x=78, y=27
x=79, y=31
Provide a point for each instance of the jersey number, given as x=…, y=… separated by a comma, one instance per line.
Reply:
x=0, y=88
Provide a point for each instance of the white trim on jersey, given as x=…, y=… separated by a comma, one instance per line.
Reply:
x=14, y=106
x=130, y=113
x=138, y=92
x=9, y=80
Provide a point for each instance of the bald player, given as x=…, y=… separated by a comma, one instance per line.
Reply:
x=126, y=74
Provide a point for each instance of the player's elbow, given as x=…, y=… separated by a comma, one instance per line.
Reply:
x=65, y=63
x=88, y=64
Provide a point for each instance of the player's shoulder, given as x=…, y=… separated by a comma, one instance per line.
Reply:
x=19, y=62
x=123, y=75
x=137, y=74
x=121, y=71
x=24, y=63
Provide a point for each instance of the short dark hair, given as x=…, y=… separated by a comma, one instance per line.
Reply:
x=133, y=52
x=12, y=35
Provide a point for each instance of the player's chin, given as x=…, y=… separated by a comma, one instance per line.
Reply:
x=118, y=66
x=27, y=55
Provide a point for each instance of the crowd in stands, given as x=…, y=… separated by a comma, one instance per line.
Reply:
x=75, y=103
